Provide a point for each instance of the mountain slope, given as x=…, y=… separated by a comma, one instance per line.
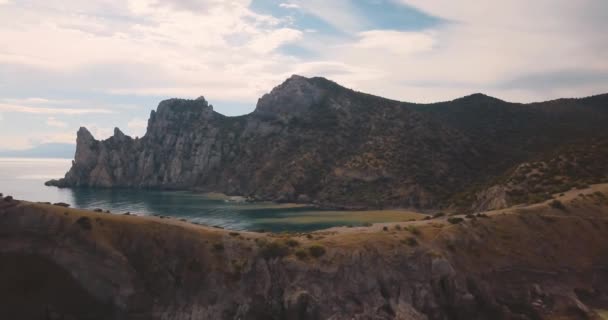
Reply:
x=311, y=140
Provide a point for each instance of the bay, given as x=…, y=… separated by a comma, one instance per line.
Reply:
x=23, y=178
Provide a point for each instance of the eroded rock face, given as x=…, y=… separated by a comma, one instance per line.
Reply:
x=311, y=140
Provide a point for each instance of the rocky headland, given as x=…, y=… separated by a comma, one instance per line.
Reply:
x=311, y=140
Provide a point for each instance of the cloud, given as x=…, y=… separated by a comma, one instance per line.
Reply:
x=289, y=5
x=47, y=110
x=53, y=122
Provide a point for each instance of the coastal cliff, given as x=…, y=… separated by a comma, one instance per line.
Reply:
x=544, y=261
x=311, y=140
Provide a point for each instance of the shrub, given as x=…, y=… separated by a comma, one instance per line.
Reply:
x=275, y=249
x=292, y=242
x=218, y=246
x=85, y=223
x=234, y=234
x=470, y=216
x=455, y=220
x=301, y=254
x=367, y=224
x=98, y=210
x=438, y=214
x=398, y=227
x=385, y=228
x=557, y=205
x=308, y=236
x=482, y=215
x=8, y=198
x=413, y=230
x=316, y=250
x=410, y=241
x=61, y=204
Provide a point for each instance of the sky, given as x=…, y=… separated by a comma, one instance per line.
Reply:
x=107, y=63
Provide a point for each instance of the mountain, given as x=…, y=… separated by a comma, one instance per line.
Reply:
x=540, y=262
x=48, y=150
x=312, y=140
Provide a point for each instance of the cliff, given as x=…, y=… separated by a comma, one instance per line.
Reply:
x=544, y=261
x=311, y=140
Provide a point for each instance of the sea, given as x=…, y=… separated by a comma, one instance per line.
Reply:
x=23, y=178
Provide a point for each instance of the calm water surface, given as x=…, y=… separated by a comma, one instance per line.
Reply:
x=24, y=179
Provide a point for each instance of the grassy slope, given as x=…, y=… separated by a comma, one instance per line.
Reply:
x=537, y=238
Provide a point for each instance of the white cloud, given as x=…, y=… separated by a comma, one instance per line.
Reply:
x=480, y=47
x=289, y=5
x=53, y=122
x=48, y=110
x=1, y=116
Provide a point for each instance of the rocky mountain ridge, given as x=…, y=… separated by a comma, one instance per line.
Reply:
x=311, y=140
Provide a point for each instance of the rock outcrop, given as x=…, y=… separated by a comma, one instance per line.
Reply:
x=310, y=139
x=538, y=262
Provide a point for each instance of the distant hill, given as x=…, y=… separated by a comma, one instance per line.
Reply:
x=48, y=150
x=312, y=140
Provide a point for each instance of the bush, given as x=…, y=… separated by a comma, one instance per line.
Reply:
x=98, y=210
x=234, y=234
x=455, y=220
x=470, y=216
x=218, y=246
x=316, y=250
x=367, y=224
x=398, y=227
x=61, y=204
x=292, y=242
x=557, y=205
x=301, y=254
x=482, y=215
x=413, y=230
x=85, y=223
x=275, y=249
x=411, y=241
x=8, y=198
x=438, y=214
x=385, y=228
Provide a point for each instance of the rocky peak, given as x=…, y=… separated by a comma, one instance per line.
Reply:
x=84, y=135
x=174, y=105
x=118, y=133
x=479, y=98
x=293, y=97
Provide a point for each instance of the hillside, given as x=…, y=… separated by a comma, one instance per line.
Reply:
x=545, y=261
x=312, y=140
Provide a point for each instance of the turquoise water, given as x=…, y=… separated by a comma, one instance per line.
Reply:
x=24, y=179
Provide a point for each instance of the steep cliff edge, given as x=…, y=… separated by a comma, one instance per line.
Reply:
x=540, y=262
x=311, y=140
